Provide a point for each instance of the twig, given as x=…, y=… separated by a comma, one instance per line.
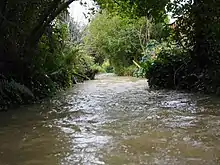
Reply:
x=174, y=76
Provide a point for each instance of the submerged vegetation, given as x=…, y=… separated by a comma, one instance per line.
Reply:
x=42, y=50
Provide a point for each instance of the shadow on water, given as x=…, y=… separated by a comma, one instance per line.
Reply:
x=113, y=120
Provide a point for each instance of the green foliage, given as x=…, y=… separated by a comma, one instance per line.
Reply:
x=152, y=49
x=136, y=8
x=197, y=29
x=174, y=68
x=107, y=66
x=33, y=50
x=53, y=62
x=118, y=39
x=197, y=33
x=99, y=68
x=56, y=65
x=160, y=32
x=129, y=71
x=22, y=23
x=38, y=57
x=166, y=70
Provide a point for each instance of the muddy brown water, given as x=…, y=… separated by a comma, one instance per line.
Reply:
x=114, y=121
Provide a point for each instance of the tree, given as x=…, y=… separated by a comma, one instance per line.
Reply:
x=37, y=56
x=136, y=8
x=198, y=21
x=22, y=24
x=119, y=39
x=198, y=29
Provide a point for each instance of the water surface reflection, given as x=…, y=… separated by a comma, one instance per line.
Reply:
x=113, y=120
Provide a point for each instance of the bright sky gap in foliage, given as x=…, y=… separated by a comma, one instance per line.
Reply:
x=77, y=11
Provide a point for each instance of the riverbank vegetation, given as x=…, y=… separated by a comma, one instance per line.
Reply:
x=186, y=55
x=121, y=40
x=42, y=50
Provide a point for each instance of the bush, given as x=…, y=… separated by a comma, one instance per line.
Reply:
x=176, y=69
x=107, y=67
x=56, y=63
x=129, y=71
x=168, y=69
x=125, y=71
x=98, y=68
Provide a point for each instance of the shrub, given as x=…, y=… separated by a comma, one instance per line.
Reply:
x=107, y=67
x=168, y=69
x=98, y=68
x=56, y=63
x=176, y=69
x=129, y=71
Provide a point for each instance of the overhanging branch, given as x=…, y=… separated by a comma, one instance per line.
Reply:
x=37, y=34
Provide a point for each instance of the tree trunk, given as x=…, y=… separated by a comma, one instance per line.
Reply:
x=199, y=48
x=34, y=39
x=205, y=35
x=42, y=20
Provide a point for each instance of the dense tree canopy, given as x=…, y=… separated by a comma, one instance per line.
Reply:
x=121, y=40
x=39, y=53
x=135, y=8
x=195, y=20
x=39, y=50
x=197, y=32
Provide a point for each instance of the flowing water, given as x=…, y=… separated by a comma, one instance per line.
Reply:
x=113, y=121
